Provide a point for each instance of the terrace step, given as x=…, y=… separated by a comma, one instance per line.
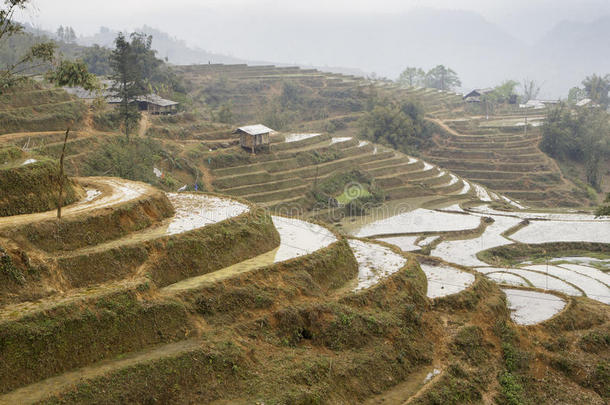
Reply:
x=270, y=186
x=44, y=389
x=405, y=167
x=273, y=195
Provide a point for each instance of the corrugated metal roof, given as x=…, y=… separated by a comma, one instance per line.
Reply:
x=155, y=99
x=112, y=99
x=257, y=129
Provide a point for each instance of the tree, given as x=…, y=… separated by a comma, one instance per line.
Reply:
x=97, y=59
x=70, y=35
x=595, y=139
x=38, y=55
x=60, y=33
x=71, y=74
x=412, y=76
x=575, y=95
x=505, y=91
x=400, y=125
x=604, y=209
x=596, y=88
x=225, y=115
x=531, y=89
x=442, y=78
x=128, y=81
x=582, y=136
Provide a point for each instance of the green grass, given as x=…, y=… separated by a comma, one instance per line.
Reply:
x=345, y=197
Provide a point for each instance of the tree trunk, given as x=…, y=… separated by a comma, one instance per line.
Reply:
x=60, y=199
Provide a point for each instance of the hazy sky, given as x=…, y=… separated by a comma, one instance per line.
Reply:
x=488, y=41
x=525, y=18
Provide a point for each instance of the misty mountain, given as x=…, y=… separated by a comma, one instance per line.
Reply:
x=572, y=50
x=482, y=53
x=175, y=50
x=479, y=51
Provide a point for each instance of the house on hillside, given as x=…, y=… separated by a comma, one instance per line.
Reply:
x=475, y=95
x=253, y=137
x=152, y=103
x=157, y=105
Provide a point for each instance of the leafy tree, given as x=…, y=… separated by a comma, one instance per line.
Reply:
x=128, y=81
x=582, y=136
x=597, y=88
x=412, y=76
x=66, y=34
x=575, y=95
x=531, y=89
x=72, y=74
x=400, y=125
x=561, y=134
x=595, y=143
x=38, y=55
x=442, y=78
x=225, y=115
x=97, y=59
x=505, y=91
x=604, y=209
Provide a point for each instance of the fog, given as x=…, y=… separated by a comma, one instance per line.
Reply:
x=554, y=42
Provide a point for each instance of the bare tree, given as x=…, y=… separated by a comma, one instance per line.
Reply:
x=70, y=74
x=531, y=89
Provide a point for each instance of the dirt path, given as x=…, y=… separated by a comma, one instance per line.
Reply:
x=207, y=178
x=144, y=124
x=192, y=211
x=119, y=191
x=55, y=385
x=440, y=123
x=24, y=309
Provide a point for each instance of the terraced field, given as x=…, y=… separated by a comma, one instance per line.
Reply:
x=462, y=237
x=33, y=107
x=285, y=179
x=504, y=156
x=106, y=306
x=143, y=296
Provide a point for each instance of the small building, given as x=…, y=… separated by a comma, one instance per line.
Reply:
x=151, y=103
x=253, y=137
x=157, y=105
x=475, y=95
x=539, y=104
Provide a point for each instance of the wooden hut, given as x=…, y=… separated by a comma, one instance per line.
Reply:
x=157, y=105
x=475, y=95
x=254, y=137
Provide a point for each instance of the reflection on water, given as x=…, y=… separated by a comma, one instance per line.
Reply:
x=300, y=238
x=445, y=280
x=531, y=307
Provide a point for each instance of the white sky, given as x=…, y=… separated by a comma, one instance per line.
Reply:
x=87, y=15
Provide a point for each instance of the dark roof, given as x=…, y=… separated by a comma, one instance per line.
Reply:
x=479, y=92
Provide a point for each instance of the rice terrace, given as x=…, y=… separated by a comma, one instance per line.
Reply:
x=179, y=226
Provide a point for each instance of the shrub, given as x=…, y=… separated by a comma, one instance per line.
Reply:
x=132, y=160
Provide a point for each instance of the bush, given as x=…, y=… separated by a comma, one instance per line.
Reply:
x=108, y=120
x=399, y=125
x=133, y=160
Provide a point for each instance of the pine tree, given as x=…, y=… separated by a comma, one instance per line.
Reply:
x=128, y=82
